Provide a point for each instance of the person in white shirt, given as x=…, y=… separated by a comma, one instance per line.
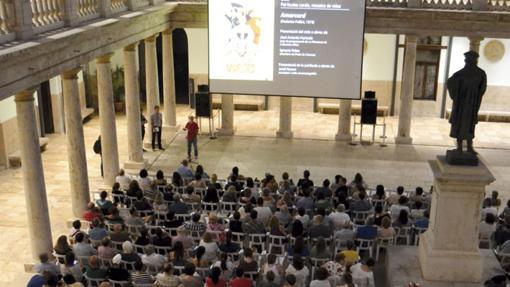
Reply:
x=153, y=259
x=488, y=226
x=339, y=218
x=321, y=278
x=488, y=208
x=362, y=274
x=144, y=181
x=123, y=180
x=298, y=269
x=263, y=212
x=211, y=247
x=396, y=208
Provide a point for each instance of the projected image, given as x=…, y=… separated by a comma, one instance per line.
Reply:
x=246, y=41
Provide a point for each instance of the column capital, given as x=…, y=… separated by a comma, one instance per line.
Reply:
x=411, y=39
x=151, y=39
x=168, y=31
x=131, y=47
x=71, y=74
x=25, y=96
x=104, y=59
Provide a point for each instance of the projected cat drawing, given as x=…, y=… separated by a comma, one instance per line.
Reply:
x=245, y=30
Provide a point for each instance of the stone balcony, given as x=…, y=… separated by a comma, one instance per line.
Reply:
x=42, y=38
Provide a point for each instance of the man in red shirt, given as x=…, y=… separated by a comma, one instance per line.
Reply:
x=191, y=136
x=240, y=281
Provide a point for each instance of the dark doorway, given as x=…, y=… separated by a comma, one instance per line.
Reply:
x=45, y=109
x=141, y=74
x=180, y=40
x=159, y=59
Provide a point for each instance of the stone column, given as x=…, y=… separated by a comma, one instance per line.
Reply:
x=76, y=156
x=448, y=250
x=227, y=115
x=407, y=92
x=169, y=114
x=474, y=43
x=285, y=130
x=39, y=226
x=110, y=154
x=132, y=92
x=344, y=121
x=151, y=81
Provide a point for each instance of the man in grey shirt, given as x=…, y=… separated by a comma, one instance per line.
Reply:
x=156, y=125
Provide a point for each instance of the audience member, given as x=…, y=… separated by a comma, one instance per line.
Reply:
x=184, y=170
x=362, y=274
x=299, y=270
x=214, y=279
x=240, y=280
x=167, y=277
x=123, y=180
x=188, y=279
x=45, y=266
x=81, y=248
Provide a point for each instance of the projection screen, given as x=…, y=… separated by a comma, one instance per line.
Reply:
x=307, y=48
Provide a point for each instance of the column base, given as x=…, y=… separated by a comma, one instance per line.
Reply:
x=343, y=137
x=285, y=134
x=134, y=165
x=225, y=132
x=403, y=140
x=448, y=265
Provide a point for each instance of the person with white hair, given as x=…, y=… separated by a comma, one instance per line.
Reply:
x=128, y=253
x=153, y=259
x=339, y=217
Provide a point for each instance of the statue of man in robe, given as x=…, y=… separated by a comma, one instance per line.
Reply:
x=466, y=88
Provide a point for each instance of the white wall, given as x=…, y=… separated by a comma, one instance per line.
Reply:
x=498, y=74
x=378, y=59
x=198, y=51
x=7, y=109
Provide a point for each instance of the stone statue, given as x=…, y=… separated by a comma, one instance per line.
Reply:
x=466, y=88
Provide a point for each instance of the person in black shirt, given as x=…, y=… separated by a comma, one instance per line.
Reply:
x=115, y=272
x=161, y=238
x=229, y=246
x=211, y=195
x=236, y=225
x=305, y=180
x=171, y=222
x=144, y=238
x=142, y=203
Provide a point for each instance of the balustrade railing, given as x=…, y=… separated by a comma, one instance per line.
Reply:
x=142, y=3
x=47, y=14
x=447, y=4
x=501, y=5
x=87, y=9
x=118, y=6
x=7, y=17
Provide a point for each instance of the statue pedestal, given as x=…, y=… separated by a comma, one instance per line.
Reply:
x=454, y=157
x=448, y=250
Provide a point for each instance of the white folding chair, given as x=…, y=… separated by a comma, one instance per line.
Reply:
x=256, y=240
x=403, y=233
x=134, y=230
x=417, y=232
x=105, y=262
x=278, y=243
x=360, y=217
x=316, y=263
x=365, y=244
x=203, y=271
x=238, y=237
x=128, y=265
x=163, y=250
x=183, y=217
x=340, y=244
x=93, y=282
x=227, y=208
x=382, y=243
x=210, y=206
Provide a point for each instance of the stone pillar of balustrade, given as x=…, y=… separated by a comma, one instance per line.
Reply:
x=23, y=15
x=71, y=13
x=105, y=8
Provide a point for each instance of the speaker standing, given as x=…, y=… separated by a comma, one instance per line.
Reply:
x=156, y=124
x=191, y=136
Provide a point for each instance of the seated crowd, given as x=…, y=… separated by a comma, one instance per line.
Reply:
x=192, y=229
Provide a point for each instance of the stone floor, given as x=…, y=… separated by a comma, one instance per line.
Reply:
x=255, y=150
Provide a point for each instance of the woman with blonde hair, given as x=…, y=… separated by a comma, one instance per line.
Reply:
x=159, y=204
x=211, y=247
